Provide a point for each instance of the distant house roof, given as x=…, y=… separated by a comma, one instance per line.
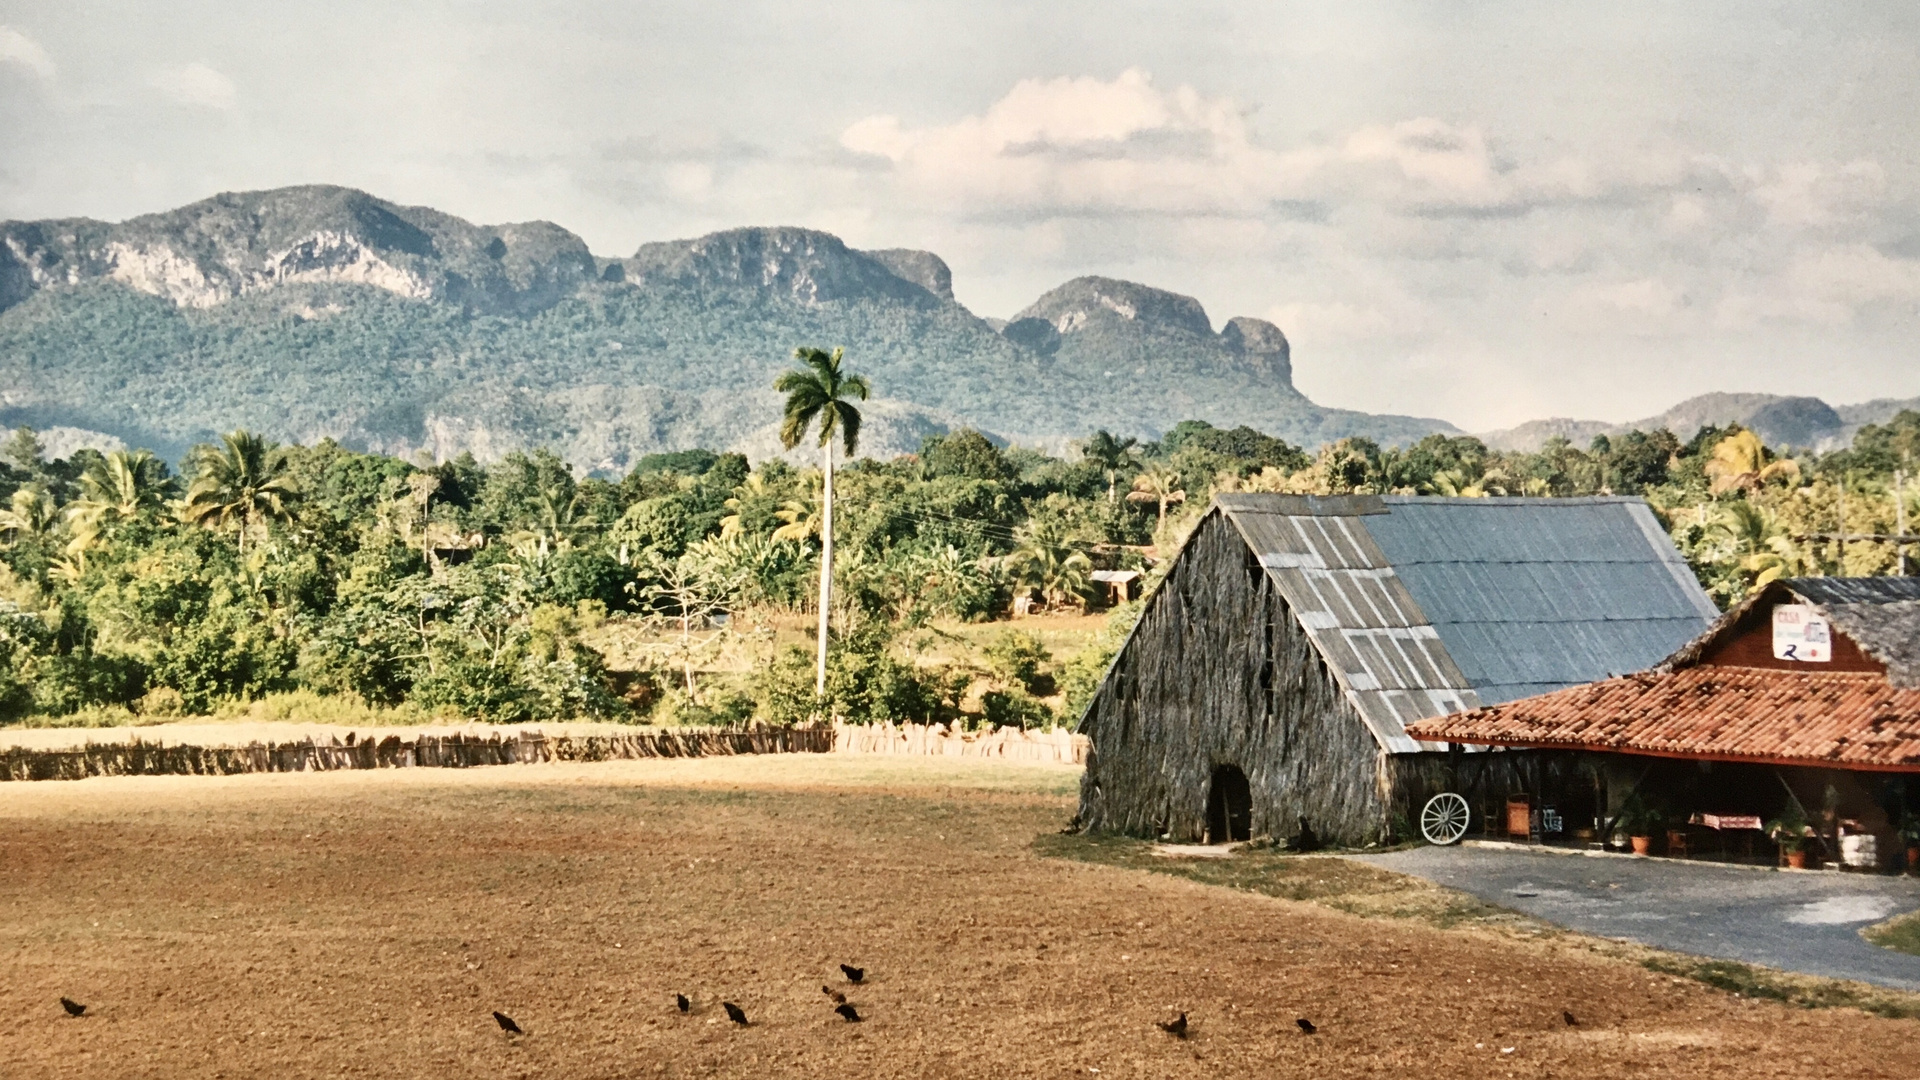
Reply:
x=1693, y=705
x=1425, y=606
x=1117, y=577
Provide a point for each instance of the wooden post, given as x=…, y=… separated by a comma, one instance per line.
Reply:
x=1900, y=517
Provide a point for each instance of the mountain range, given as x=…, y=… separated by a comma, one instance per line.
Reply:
x=320, y=311
x=326, y=312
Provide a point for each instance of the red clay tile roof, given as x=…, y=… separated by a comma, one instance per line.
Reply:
x=1853, y=720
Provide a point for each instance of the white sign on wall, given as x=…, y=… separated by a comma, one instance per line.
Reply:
x=1801, y=633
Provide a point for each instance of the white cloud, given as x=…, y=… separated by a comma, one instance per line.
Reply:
x=1126, y=146
x=198, y=85
x=19, y=49
x=1809, y=193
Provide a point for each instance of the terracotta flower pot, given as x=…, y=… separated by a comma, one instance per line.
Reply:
x=1797, y=860
x=1913, y=858
x=1641, y=844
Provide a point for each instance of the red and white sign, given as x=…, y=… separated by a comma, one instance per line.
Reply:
x=1801, y=633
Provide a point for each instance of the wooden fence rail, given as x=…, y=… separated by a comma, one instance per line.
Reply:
x=457, y=751
x=1057, y=745
x=461, y=751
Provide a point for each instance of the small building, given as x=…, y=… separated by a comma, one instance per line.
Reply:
x=1267, y=686
x=1807, y=693
x=1120, y=584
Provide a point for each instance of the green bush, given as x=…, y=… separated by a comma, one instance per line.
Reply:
x=866, y=684
x=1014, y=708
x=1017, y=658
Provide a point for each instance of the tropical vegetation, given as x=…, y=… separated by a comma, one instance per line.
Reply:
x=688, y=588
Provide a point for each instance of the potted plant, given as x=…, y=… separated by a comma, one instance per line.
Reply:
x=1789, y=830
x=1641, y=820
x=1910, y=832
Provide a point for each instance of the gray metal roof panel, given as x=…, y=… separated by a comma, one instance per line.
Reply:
x=1472, y=600
x=1843, y=590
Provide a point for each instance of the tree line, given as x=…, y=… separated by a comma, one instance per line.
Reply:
x=459, y=588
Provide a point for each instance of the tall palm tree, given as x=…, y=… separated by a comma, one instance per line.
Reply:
x=1159, y=484
x=242, y=485
x=822, y=391
x=1110, y=454
x=114, y=490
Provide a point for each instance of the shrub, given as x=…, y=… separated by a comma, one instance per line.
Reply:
x=1016, y=658
x=1014, y=708
x=1080, y=676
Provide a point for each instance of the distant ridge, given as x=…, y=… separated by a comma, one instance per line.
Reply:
x=323, y=311
x=1800, y=422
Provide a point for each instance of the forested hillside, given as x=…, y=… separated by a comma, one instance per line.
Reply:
x=325, y=312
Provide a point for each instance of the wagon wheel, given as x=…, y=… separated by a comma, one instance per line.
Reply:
x=1444, y=819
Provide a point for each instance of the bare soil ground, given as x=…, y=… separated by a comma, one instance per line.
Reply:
x=367, y=923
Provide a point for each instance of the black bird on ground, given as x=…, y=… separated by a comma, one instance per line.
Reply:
x=73, y=1007
x=854, y=974
x=506, y=1023
x=682, y=1002
x=838, y=997
x=734, y=1013
x=1568, y=1017
x=848, y=1011
x=1176, y=1028
x=1306, y=1026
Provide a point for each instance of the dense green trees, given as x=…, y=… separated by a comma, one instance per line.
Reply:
x=472, y=589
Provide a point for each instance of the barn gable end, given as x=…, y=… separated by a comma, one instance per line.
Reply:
x=1220, y=672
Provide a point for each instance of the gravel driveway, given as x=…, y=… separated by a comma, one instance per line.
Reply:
x=1805, y=922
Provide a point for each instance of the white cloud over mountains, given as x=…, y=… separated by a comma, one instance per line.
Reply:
x=1641, y=242
x=197, y=85
x=22, y=52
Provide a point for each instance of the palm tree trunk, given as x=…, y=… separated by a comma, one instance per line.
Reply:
x=826, y=568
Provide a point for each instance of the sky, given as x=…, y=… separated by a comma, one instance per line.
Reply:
x=1486, y=212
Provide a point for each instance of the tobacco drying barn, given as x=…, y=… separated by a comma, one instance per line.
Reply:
x=1268, y=684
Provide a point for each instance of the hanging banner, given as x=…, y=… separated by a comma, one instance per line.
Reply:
x=1801, y=633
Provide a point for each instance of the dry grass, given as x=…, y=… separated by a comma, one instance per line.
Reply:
x=365, y=924
x=1902, y=932
x=1366, y=890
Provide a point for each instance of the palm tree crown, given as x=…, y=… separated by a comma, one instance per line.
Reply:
x=31, y=513
x=241, y=485
x=1110, y=454
x=114, y=490
x=821, y=390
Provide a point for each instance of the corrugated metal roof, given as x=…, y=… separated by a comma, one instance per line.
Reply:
x=1855, y=590
x=1429, y=606
x=1543, y=593
x=1843, y=718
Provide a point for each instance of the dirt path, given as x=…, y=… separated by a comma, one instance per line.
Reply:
x=366, y=924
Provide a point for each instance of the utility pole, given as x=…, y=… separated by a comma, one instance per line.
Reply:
x=1844, y=477
x=1900, y=513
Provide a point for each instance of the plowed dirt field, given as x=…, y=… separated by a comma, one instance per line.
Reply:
x=368, y=924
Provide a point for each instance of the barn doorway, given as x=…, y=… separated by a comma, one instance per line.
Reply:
x=1229, y=806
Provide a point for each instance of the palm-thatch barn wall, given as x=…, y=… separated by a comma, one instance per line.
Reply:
x=1268, y=683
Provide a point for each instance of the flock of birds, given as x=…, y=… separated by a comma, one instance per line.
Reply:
x=1177, y=1027
x=841, y=1006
